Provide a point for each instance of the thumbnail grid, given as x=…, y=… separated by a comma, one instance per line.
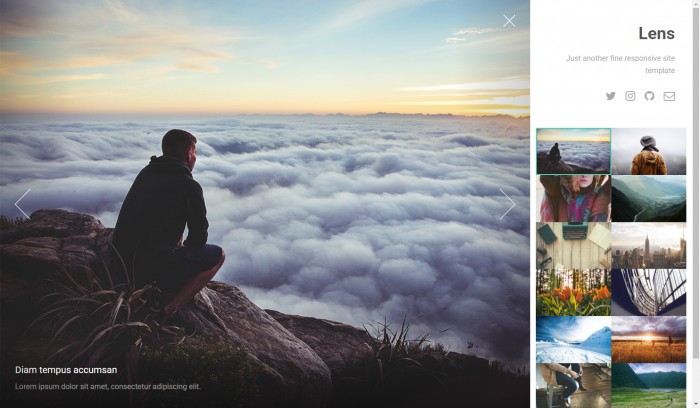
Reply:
x=611, y=263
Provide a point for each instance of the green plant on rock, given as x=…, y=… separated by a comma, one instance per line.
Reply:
x=8, y=223
x=403, y=370
x=402, y=361
x=95, y=321
x=98, y=318
x=214, y=372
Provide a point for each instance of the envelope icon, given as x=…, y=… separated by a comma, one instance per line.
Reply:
x=669, y=96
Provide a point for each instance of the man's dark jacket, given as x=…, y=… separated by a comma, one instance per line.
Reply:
x=163, y=198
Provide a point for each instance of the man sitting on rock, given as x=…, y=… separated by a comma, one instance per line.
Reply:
x=554, y=154
x=148, y=235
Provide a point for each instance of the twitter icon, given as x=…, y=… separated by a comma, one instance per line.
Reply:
x=610, y=95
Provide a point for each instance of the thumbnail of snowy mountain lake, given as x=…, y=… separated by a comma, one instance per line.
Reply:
x=584, y=339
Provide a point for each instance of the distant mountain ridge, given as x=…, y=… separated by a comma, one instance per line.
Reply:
x=599, y=341
x=670, y=379
x=650, y=186
x=647, y=199
x=626, y=207
x=624, y=376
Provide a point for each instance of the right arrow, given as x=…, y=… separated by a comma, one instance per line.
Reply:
x=511, y=207
x=25, y=214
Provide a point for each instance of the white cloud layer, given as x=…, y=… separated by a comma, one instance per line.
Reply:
x=347, y=218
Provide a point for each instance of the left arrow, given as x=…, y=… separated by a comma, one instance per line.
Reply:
x=25, y=214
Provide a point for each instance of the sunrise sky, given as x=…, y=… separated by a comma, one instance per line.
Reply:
x=653, y=327
x=633, y=234
x=655, y=368
x=573, y=135
x=405, y=56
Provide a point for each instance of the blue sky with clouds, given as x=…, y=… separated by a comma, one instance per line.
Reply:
x=408, y=56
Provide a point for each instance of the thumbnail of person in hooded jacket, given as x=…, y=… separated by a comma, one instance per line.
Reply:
x=649, y=161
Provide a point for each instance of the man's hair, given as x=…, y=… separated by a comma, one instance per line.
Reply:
x=177, y=143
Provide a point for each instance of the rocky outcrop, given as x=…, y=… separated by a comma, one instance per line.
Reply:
x=545, y=165
x=342, y=347
x=56, y=246
x=34, y=257
x=296, y=360
x=291, y=371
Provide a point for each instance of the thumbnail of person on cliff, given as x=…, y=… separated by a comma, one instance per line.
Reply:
x=148, y=235
x=649, y=161
x=554, y=155
x=558, y=374
x=584, y=198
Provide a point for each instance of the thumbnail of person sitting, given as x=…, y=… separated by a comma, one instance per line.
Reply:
x=557, y=374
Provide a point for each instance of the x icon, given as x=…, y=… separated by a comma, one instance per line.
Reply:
x=509, y=20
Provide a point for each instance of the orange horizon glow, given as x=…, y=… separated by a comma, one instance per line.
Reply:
x=574, y=135
x=179, y=104
x=152, y=58
x=248, y=113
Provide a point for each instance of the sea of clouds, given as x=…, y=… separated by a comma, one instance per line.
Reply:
x=351, y=218
x=592, y=155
